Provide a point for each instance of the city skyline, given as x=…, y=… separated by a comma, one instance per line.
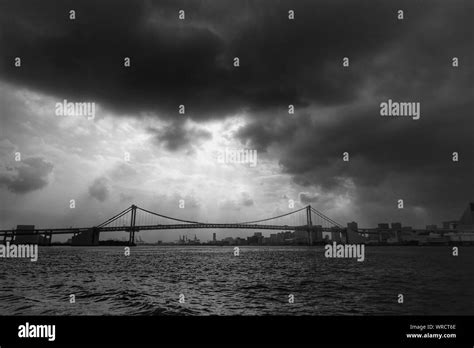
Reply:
x=305, y=225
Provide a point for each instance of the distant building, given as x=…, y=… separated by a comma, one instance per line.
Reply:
x=336, y=237
x=24, y=235
x=396, y=234
x=301, y=237
x=396, y=226
x=466, y=222
x=450, y=225
x=214, y=237
x=463, y=237
x=240, y=241
x=228, y=240
x=437, y=238
x=256, y=239
x=421, y=238
x=464, y=227
x=316, y=235
x=273, y=238
x=408, y=235
x=89, y=237
x=353, y=225
x=352, y=234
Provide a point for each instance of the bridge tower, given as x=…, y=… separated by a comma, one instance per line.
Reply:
x=133, y=218
x=309, y=223
x=48, y=237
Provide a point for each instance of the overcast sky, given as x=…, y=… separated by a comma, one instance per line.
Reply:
x=190, y=62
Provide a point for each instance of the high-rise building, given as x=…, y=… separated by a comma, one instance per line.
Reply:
x=352, y=235
x=396, y=226
x=273, y=238
x=353, y=226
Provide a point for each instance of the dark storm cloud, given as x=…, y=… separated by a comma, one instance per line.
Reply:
x=30, y=175
x=177, y=136
x=260, y=134
x=388, y=158
x=391, y=158
x=282, y=62
x=306, y=198
x=246, y=200
x=99, y=189
x=190, y=62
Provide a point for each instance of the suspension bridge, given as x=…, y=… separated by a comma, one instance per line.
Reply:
x=135, y=219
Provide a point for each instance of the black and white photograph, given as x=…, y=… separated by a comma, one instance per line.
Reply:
x=243, y=160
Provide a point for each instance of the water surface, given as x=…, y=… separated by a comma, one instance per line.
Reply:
x=258, y=282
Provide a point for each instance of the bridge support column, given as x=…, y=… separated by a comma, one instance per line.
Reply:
x=95, y=236
x=309, y=224
x=48, y=236
x=133, y=218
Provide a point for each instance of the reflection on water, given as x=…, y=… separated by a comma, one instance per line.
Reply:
x=258, y=282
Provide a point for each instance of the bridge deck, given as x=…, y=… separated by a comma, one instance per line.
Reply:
x=174, y=227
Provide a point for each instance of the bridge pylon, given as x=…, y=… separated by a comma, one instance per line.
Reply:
x=133, y=219
x=309, y=223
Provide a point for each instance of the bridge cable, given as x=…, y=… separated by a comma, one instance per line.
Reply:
x=170, y=218
x=113, y=218
x=324, y=217
x=272, y=218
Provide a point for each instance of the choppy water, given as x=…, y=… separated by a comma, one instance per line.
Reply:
x=258, y=282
